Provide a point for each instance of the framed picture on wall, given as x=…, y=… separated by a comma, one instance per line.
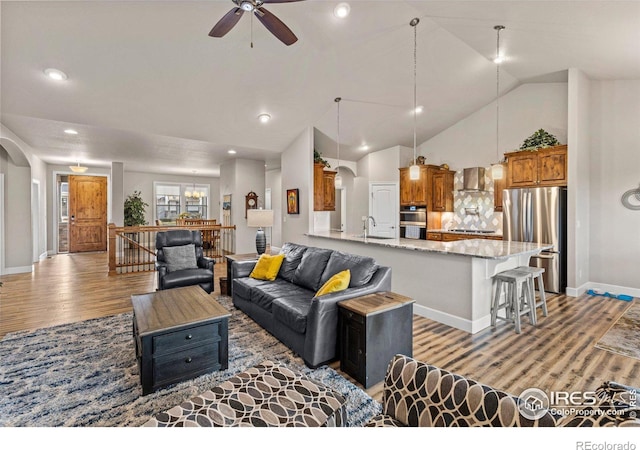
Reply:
x=293, y=205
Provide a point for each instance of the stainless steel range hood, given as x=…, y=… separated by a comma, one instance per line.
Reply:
x=473, y=180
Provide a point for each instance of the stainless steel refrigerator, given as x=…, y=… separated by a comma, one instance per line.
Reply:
x=540, y=215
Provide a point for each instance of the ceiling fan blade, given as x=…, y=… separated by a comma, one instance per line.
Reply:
x=225, y=24
x=280, y=1
x=276, y=26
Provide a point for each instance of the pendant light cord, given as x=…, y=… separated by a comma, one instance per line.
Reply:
x=337, y=100
x=498, y=28
x=415, y=89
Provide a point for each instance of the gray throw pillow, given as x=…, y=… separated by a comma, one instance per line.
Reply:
x=180, y=257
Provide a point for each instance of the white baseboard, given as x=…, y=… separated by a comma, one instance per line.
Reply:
x=576, y=292
x=613, y=289
x=43, y=256
x=453, y=321
x=15, y=270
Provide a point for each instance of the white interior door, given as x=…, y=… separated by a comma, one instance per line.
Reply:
x=383, y=207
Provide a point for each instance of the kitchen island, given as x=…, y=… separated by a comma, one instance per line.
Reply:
x=451, y=282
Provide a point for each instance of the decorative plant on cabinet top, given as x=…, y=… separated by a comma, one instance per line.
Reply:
x=134, y=210
x=539, y=139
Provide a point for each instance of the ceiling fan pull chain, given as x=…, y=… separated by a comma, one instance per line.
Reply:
x=251, y=30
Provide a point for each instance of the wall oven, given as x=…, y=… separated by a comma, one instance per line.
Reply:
x=413, y=222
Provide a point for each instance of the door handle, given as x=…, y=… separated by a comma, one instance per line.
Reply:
x=542, y=256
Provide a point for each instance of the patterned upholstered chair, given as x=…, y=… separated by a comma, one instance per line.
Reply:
x=420, y=395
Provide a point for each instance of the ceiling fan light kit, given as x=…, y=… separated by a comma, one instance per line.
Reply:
x=269, y=20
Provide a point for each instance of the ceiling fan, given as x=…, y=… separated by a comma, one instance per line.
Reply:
x=271, y=22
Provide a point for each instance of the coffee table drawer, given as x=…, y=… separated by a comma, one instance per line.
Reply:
x=188, y=337
x=185, y=364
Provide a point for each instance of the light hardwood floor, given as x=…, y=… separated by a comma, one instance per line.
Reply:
x=558, y=354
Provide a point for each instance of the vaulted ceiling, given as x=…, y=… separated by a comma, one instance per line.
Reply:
x=148, y=87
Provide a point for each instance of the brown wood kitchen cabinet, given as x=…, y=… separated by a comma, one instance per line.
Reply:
x=434, y=188
x=543, y=167
x=441, y=190
x=413, y=192
x=324, y=191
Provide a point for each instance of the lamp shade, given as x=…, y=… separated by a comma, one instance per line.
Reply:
x=258, y=218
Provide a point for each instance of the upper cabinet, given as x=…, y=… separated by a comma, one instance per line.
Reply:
x=324, y=191
x=413, y=192
x=434, y=189
x=543, y=167
x=442, y=190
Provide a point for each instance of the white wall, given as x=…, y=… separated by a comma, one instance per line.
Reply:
x=297, y=173
x=21, y=167
x=143, y=182
x=117, y=193
x=273, y=181
x=472, y=141
x=578, y=140
x=615, y=168
x=237, y=178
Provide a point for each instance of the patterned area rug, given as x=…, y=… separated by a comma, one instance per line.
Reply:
x=85, y=374
x=623, y=337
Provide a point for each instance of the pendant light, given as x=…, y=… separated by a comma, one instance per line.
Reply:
x=414, y=170
x=338, y=178
x=497, y=170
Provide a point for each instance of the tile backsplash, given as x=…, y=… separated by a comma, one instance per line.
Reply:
x=464, y=202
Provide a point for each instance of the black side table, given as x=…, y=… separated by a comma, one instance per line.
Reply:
x=372, y=329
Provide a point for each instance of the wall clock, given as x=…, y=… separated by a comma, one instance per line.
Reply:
x=251, y=202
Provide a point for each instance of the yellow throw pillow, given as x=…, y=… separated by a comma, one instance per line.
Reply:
x=267, y=267
x=338, y=282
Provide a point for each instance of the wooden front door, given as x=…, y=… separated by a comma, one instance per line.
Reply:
x=87, y=214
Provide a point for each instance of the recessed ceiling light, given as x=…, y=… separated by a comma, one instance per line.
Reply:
x=70, y=131
x=264, y=118
x=342, y=10
x=499, y=59
x=55, y=74
x=364, y=147
x=419, y=109
x=231, y=152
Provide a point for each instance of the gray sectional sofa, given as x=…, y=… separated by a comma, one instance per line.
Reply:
x=287, y=308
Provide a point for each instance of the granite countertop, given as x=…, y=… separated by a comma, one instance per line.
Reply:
x=478, y=248
x=466, y=233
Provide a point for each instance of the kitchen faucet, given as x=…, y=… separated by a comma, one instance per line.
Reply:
x=365, y=220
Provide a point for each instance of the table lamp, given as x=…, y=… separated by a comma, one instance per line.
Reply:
x=260, y=218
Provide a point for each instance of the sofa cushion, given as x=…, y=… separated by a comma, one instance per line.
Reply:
x=180, y=257
x=242, y=286
x=265, y=294
x=338, y=282
x=267, y=267
x=292, y=257
x=362, y=268
x=187, y=277
x=292, y=312
x=311, y=267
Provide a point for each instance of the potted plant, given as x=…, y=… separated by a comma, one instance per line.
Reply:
x=134, y=210
x=539, y=139
x=317, y=158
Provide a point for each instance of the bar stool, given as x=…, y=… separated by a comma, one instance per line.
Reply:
x=518, y=300
x=536, y=272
